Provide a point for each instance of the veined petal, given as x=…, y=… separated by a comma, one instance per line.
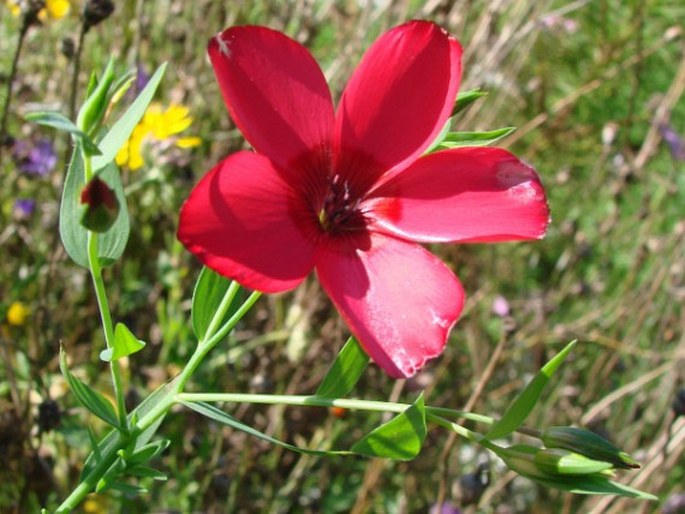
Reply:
x=465, y=195
x=275, y=92
x=399, y=300
x=399, y=98
x=245, y=222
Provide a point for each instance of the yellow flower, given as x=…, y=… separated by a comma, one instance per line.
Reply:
x=17, y=314
x=57, y=9
x=54, y=9
x=14, y=7
x=158, y=124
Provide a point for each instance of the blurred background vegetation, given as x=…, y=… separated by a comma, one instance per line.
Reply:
x=595, y=89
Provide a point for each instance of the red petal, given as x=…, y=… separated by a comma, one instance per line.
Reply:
x=465, y=195
x=244, y=221
x=275, y=92
x=399, y=98
x=399, y=300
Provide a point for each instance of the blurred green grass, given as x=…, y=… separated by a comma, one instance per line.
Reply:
x=588, y=83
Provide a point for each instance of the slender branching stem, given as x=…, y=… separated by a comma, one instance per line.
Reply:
x=10, y=83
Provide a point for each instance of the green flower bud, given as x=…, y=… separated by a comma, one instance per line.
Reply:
x=563, y=462
x=521, y=458
x=587, y=443
x=93, y=110
x=100, y=206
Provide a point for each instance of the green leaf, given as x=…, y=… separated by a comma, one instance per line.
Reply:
x=210, y=290
x=124, y=344
x=122, y=129
x=345, y=371
x=466, y=98
x=147, y=472
x=111, y=244
x=60, y=122
x=129, y=489
x=147, y=452
x=519, y=410
x=89, y=398
x=459, y=139
x=441, y=137
x=400, y=438
x=220, y=416
x=107, y=443
x=595, y=484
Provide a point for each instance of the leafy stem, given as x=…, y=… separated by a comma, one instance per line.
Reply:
x=108, y=452
x=96, y=273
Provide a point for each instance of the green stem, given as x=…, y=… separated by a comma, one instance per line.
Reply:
x=464, y=432
x=103, y=304
x=160, y=409
x=317, y=401
x=232, y=290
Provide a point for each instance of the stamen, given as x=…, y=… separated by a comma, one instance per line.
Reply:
x=340, y=211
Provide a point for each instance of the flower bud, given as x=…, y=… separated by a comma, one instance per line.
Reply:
x=563, y=462
x=587, y=443
x=100, y=206
x=93, y=110
x=97, y=11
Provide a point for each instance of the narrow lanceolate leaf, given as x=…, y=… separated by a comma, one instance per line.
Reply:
x=111, y=244
x=147, y=472
x=60, y=122
x=519, y=410
x=89, y=398
x=345, y=371
x=595, y=484
x=128, y=489
x=466, y=98
x=122, y=129
x=147, y=452
x=220, y=416
x=210, y=290
x=459, y=139
x=400, y=438
x=124, y=344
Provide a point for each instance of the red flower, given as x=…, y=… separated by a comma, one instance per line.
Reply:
x=350, y=193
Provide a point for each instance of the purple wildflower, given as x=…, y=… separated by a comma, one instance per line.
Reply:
x=37, y=158
x=674, y=141
x=24, y=207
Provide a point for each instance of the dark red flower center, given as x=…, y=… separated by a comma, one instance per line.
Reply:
x=340, y=211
